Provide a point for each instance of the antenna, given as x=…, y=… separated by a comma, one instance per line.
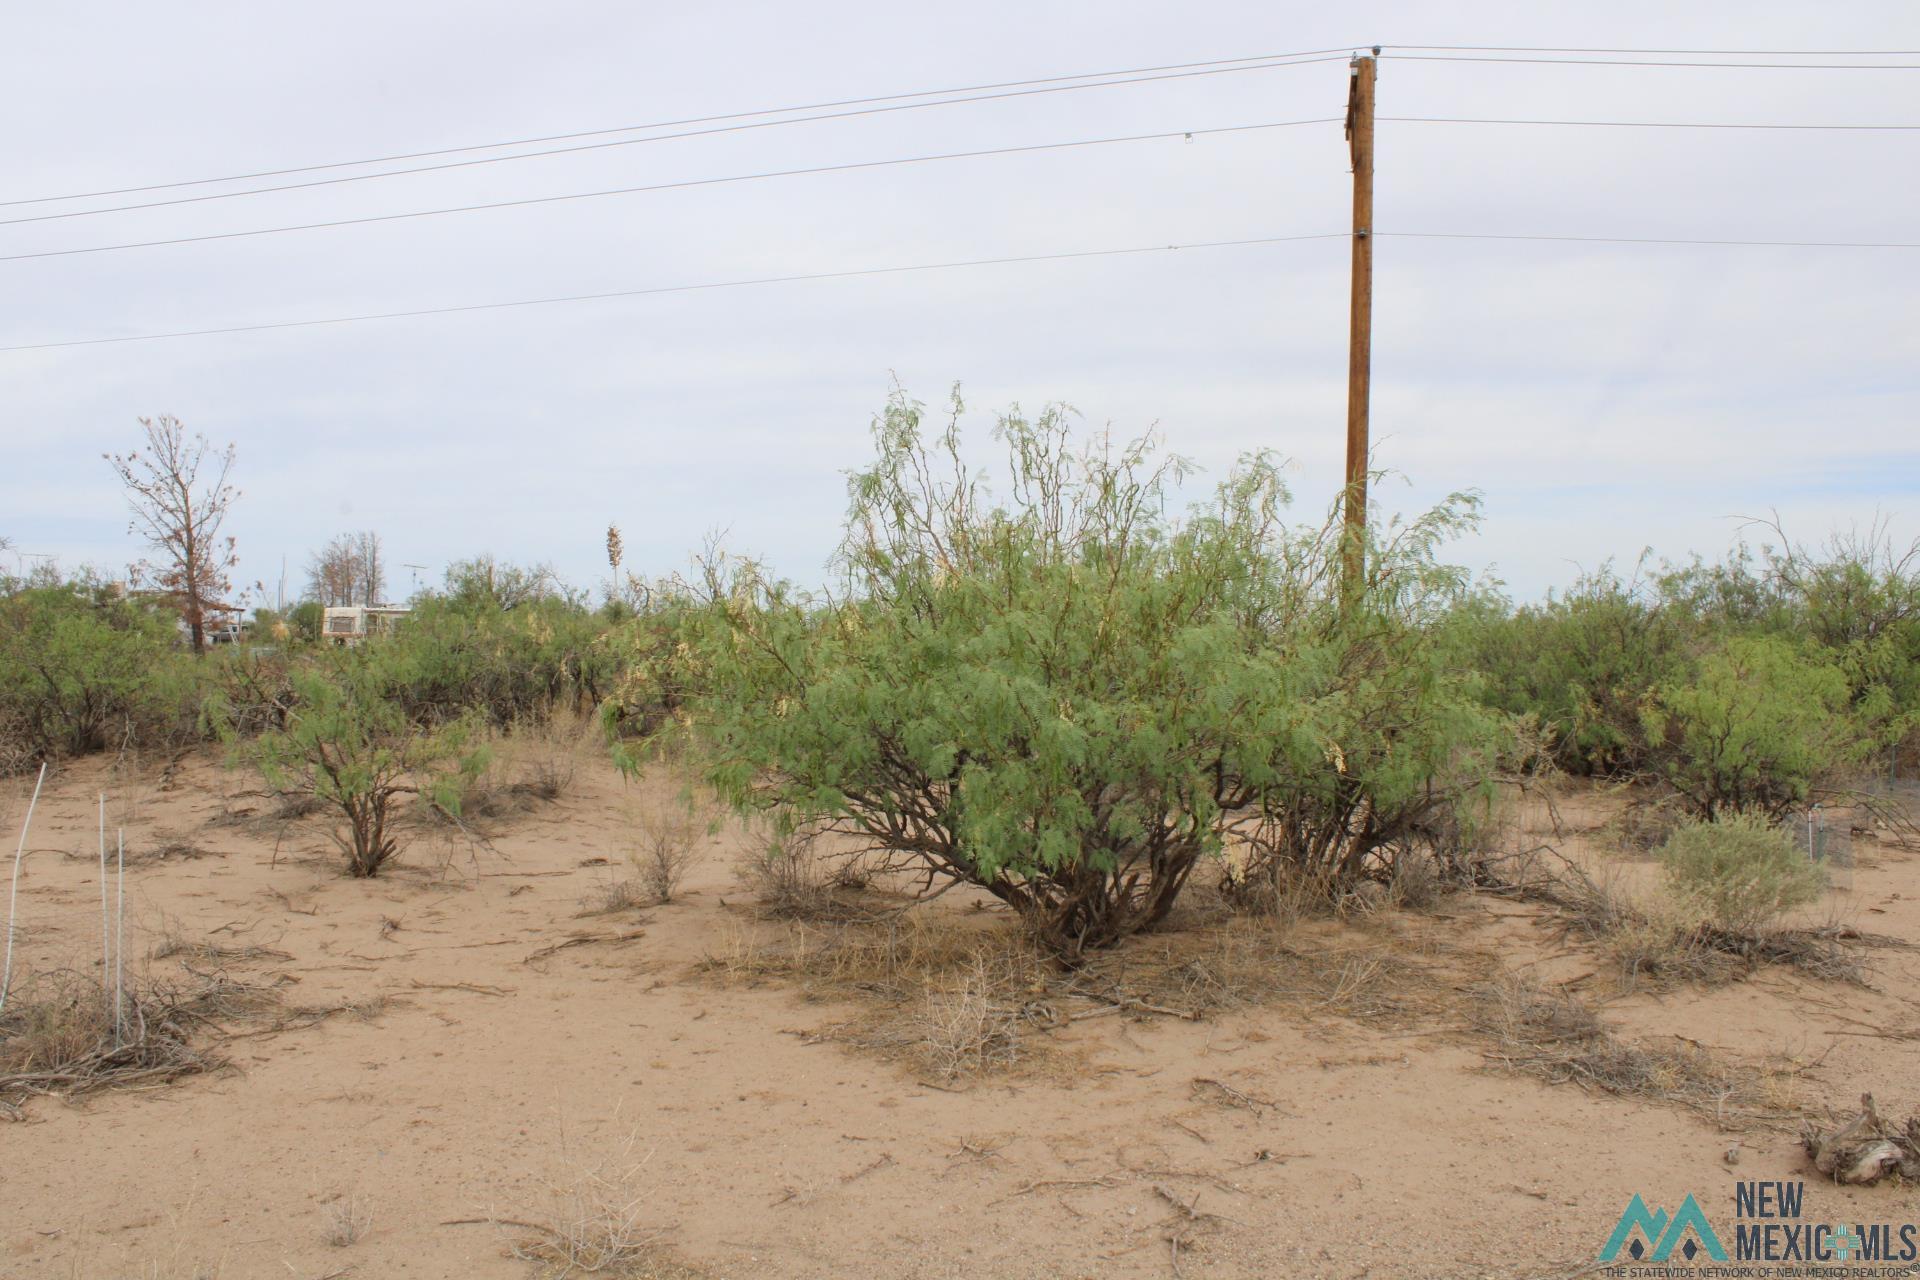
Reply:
x=417, y=568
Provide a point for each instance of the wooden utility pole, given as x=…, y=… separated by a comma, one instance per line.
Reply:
x=1360, y=338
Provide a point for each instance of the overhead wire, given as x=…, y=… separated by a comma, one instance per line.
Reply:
x=1642, y=62
x=1054, y=84
x=857, y=272
x=1650, y=124
x=1007, y=89
x=684, y=184
x=682, y=288
x=618, y=142
x=1782, y=244
x=1730, y=53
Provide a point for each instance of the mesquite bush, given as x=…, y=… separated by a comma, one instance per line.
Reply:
x=348, y=743
x=1067, y=699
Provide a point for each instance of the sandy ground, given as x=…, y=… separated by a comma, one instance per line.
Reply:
x=492, y=1074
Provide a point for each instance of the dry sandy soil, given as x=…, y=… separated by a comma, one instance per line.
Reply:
x=1341, y=1145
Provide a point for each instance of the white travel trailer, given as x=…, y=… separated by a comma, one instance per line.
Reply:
x=350, y=624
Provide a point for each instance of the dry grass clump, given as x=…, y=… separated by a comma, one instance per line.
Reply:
x=534, y=763
x=958, y=996
x=949, y=996
x=1241, y=963
x=969, y=1028
x=595, y=1223
x=58, y=1034
x=547, y=754
x=614, y=896
x=348, y=1218
x=1674, y=939
x=796, y=879
x=1646, y=822
x=1559, y=1040
x=665, y=844
x=172, y=943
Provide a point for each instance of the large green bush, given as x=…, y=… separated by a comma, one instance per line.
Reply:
x=1755, y=726
x=81, y=670
x=468, y=653
x=1585, y=664
x=1067, y=699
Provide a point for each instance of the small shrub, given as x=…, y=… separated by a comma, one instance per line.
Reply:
x=349, y=745
x=251, y=693
x=1743, y=871
x=666, y=844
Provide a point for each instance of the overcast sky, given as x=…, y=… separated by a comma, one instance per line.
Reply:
x=1603, y=397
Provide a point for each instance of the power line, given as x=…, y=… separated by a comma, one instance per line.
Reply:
x=679, y=288
x=1653, y=124
x=858, y=272
x=1099, y=79
x=667, y=186
x=1640, y=62
x=1729, y=53
x=618, y=142
x=1782, y=244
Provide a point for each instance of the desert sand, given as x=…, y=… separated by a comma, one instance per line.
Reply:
x=446, y=1076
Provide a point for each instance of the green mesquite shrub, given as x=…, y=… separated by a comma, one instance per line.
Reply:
x=82, y=671
x=1067, y=699
x=348, y=743
x=1585, y=664
x=1756, y=726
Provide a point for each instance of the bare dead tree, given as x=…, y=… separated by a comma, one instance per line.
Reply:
x=333, y=572
x=179, y=515
x=348, y=570
x=370, y=569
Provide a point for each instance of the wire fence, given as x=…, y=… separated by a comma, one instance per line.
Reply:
x=1897, y=777
x=1827, y=837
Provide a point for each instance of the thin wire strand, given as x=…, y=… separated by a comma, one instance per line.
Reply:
x=618, y=142
x=1648, y=124
x=1102, y=79
x=526, y=201
x=855, y=273
x=1782, y=244
x=1636, y=62
x=1730, y=53
x=679, y=288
